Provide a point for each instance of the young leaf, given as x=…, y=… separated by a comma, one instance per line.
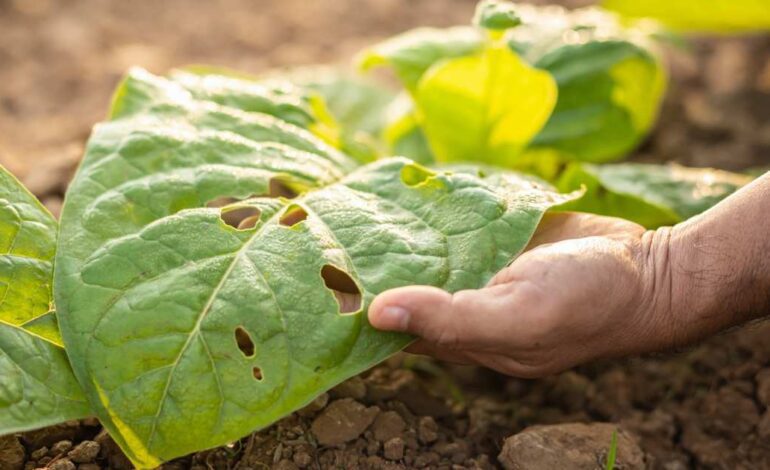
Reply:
x=37, y=387
x=484, y=107
x=403, y=134
x=357, y=104
x=496, y=15
x=610, y=82
x=726, y=16
x=189, y=329
x=412, y=53
x=651, y=195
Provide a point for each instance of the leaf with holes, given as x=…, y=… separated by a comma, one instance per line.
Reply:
x=37, y=386
x=190, y=323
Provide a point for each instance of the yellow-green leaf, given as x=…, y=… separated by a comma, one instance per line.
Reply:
x=485, y=107
x=721, y=16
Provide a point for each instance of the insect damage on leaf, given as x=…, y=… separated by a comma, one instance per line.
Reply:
x=218, y=318
x=344, y=288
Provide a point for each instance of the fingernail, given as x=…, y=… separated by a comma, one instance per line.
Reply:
x=397, y=318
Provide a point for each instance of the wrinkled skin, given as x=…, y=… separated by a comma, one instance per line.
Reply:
x=591, y=287
x=531, y=319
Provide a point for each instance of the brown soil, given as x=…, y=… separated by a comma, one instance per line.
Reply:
x=707, y=407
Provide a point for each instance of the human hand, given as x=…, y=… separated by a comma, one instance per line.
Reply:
x=587, y=287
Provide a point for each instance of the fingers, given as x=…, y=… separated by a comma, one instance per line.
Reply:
x=450, y=321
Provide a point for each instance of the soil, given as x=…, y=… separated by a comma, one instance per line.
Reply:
x=706, y=407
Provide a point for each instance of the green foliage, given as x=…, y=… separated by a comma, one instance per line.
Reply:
x=610, y=85
x=356, y=104
x=187, y=332
x=610, y=82
x=37, y=387
x=722, y=16
x=651, y=195
x=412, y=53
x=485, y=107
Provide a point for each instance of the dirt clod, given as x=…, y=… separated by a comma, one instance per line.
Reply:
x=427, y=430
x=12, y=454
x=342, y=421
x=85, y=452
x=59, y=448
x=388, y=425
x=575, y=446
x=393, y=449
x=61, y=464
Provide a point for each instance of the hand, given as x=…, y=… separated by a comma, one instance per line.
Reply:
x=584, y=289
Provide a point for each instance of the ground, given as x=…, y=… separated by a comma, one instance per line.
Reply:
x=705, y=407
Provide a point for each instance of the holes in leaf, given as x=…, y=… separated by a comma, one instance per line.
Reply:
x=343, y=287
x=241, y=218
x=414, y=174
x=244, y=341
x=293, y=215
x=257, y=373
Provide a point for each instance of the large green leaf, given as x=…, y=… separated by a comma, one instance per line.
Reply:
x=37, y=387
x=186, y=331
x=610, y=82
x=651, y=195
x=699, y=15
x=484, y=107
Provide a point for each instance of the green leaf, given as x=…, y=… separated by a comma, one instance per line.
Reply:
x=412, y=53
x=357, y=104
x=484, y=107
x=188, y=329
x=610, y=82
x=651, y=195
x=37, y=386
x=496, y=15
x=722, y=16
x=403, y=134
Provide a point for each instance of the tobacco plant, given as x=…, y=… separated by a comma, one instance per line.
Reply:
x=224, y=234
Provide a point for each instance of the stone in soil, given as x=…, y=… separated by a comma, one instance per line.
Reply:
x=342, y=421
x=388, y=425
x=61, y=447
x=427, y=430
x=575, y=446
x=12, y=453
x=85, y=452
x=61, y=464
x=393, y=449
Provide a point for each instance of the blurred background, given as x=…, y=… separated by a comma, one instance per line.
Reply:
x=61, y=59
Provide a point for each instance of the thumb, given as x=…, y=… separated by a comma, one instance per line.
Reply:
x=448, y=320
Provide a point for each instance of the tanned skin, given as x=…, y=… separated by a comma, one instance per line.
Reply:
x=591, y=287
